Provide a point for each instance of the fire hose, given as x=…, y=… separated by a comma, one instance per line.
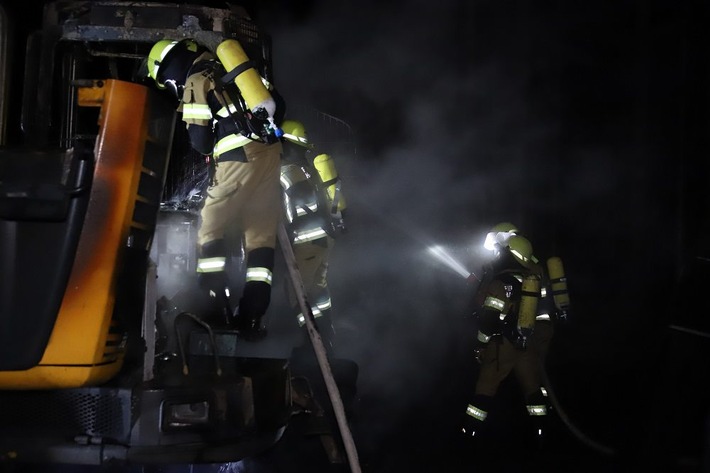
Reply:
x=320, y=351
x=578, y=434
x=581, y=436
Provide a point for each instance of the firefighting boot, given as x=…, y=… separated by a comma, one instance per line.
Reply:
x=471, y=427
x=256, y=294
x=315, y=422
x=537, y=407
x=248, y=318
x=474, y=419
x=215, y=306
x=326, y=331
x=541, y=431
x=250, y=328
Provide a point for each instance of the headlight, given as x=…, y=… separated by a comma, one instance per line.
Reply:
x=490, y=242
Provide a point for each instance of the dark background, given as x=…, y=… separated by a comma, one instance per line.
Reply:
x=585, y=124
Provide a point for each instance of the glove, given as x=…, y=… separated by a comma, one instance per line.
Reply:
x=521, y=338
x=479, y=350
x=562, y=315
x=340, y=222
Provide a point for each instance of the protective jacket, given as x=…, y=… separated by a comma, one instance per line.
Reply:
x=312, y=230
x=501, y=296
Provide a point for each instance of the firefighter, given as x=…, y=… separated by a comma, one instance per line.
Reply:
x=509, y=299
x=552, y=309
x=313, y=219
x=240, y=139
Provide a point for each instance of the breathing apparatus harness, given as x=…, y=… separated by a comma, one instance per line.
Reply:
x=337, y=222
x=252, y=126
x=256, y=123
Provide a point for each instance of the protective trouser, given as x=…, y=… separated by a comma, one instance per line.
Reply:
x=532, y=362
x=499, y=359
x=246, y=195
x=312, y=261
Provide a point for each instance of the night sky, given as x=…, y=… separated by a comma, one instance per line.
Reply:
x=585, y=124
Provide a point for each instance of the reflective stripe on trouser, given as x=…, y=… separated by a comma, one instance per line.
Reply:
x=259, y=274
x=256, y=295
x=211, y=265
x=537, y=409
x=536, y=403
x=247, y=195
x=212, y=257
x=318, y=308
x=476, y=412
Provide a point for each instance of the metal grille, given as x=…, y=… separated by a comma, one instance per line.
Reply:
x=247, y=31
x=96, y=412
x=330, y=133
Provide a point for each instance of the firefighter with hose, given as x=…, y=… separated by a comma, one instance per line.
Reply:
x=509, y=296
x=552, y=309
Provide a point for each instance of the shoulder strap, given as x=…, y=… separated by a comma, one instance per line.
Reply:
x=229, y=77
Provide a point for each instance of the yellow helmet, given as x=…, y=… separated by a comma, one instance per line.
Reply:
x=505, y=227
x=156, y=56
x=521, y=248
x=295, y=132
x=165, y=50
x=499, y=234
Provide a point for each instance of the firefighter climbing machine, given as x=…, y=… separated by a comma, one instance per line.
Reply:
x=90, y=371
